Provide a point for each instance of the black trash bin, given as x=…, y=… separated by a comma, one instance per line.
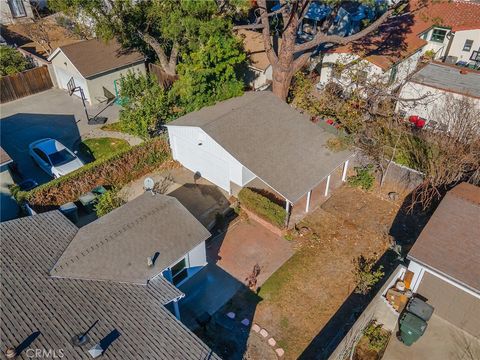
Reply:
x=420, y=308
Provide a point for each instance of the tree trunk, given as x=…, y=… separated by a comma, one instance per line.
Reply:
x=281, y=80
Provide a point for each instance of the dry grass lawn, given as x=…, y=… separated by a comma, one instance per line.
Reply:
x=301, y=297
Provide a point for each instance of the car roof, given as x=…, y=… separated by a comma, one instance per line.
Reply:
x=49, y=146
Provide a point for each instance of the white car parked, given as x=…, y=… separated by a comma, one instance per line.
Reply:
x=53, y=157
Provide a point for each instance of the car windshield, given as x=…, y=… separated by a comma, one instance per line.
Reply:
x=61, y=157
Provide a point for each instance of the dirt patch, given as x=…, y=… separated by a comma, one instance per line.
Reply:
x=57, y=35
x=302, y=296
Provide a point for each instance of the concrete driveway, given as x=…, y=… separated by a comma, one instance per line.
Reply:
x=51, y=114
x=442, y=340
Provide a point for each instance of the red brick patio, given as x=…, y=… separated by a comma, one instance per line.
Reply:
x=245, y=244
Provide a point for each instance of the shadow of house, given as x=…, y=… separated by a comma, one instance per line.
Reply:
x=18, y=131
x=202, y=201
x=209, y=296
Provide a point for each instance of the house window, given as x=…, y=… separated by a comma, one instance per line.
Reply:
x=393, y=74
x=179, y=272
x=17, y=8
x=438, y=35
x=468, y=45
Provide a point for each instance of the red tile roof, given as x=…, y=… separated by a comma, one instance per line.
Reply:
x=399, y=37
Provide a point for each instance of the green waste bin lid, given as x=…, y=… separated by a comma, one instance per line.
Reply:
x=412, y=324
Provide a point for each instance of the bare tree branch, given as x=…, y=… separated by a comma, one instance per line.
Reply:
x=322, y=37
x=272, y=56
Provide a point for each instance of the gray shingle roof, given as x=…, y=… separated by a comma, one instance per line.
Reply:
x=270, y=138
x=116, y=246
x=32, y=301
x=449, y=78
x=450, y=242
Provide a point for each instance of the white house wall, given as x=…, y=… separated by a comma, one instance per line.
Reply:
x=64, y=70
x=256, y=78
x=190, y=136
x=456, y=48
x=404, y=68
x=197, y=257
x=106, y=80
x=430, y=105
x=439, y=48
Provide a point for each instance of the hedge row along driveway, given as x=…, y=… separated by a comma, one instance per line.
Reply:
x=263, y=207
x=113, y=171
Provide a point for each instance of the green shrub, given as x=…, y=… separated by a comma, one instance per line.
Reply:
x=12, y=61
x=365, y=274
x=376, y=335
x=115, y=170
x=363, y=179
x=263, y=207
x=108, y=201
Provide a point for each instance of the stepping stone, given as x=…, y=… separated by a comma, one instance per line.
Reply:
x=245, y=322
x=272, y=342
x=264, y=333
x=256, y=328
x=231, y=315
x=280, y=352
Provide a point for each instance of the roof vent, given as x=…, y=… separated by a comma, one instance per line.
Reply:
x=79, y=340
x=151, y=259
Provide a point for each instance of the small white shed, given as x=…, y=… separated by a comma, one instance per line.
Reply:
x=94, y=66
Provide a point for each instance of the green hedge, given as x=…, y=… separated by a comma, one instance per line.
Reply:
x=263, y=207
x=115, y=171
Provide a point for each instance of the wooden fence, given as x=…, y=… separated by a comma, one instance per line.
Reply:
x=25, y=83
x=163, y=78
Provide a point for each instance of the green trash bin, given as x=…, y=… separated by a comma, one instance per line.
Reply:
x=411, y=328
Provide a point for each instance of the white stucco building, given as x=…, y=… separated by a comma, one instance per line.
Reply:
x=95, y=67
x=433, y=85
x=393, y=51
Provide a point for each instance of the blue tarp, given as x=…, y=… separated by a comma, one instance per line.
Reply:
x=317, y=11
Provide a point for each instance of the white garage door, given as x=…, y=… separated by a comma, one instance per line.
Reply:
x=198, y=160
x=63, y=77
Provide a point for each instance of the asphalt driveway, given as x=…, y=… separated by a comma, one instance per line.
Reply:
x=51, y=114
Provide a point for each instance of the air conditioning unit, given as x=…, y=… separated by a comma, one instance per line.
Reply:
x=451, y=59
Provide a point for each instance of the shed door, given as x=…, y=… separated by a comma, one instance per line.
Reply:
x=63, y=77
x=196, y=159
x=451, y=303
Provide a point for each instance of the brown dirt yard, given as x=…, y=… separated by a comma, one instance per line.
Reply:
x=301, y=297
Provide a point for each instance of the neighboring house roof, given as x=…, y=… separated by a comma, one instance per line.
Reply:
x=116, y=246
x=450, y=242
x=277, y=143
x=95, y=57
x=449, y=78
x=33, y=303
x=4, y=157
x=253, y=44
x=399, y=37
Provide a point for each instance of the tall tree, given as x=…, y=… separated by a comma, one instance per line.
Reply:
x=292, y=55
x=166, y=27
x=211, y=73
